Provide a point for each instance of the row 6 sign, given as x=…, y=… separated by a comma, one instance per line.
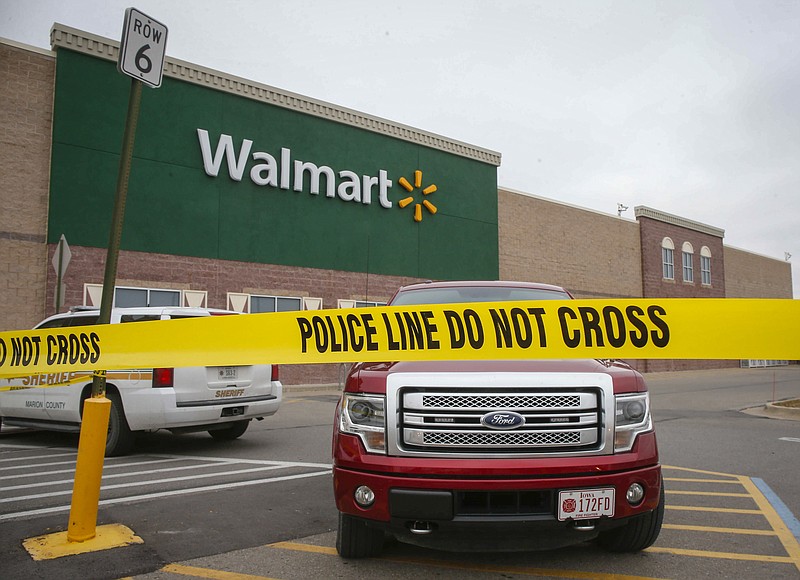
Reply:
x=142, y=48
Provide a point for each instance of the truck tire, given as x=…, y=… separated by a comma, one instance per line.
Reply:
x=355, y=539
x=638, y=533
x=120, y=438
x=230, y=431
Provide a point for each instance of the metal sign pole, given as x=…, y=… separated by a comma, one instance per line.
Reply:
x=59, y=275
x=112, y=257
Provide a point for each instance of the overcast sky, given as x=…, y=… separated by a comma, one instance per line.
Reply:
x=688, y=106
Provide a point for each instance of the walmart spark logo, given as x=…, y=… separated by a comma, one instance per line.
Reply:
x=410, y=199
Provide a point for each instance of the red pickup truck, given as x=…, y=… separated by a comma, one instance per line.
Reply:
x=500, y=455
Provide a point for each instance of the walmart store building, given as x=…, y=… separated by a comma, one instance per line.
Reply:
x=246, y=197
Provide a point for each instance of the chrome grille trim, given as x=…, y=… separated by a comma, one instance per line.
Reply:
x=439, y=414
x=501, y=439
x=491, y=401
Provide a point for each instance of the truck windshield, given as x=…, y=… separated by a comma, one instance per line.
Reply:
x=475, y=294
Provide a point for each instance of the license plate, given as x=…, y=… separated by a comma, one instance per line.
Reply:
x=585, y=504
x=227, y=372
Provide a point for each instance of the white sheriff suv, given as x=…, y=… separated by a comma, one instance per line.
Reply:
x=221, y=400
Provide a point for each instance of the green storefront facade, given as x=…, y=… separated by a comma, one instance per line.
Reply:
x=226, y=177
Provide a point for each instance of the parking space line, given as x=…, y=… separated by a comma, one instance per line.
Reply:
x=722, y=555
x=691, y=508
x=546, y=572
x=39, y=474
x=699, y=480
x=785, y=535
x=766, y=508
x=31, y=457
x=449, y=565
x=783, y=510
x=298, y=547
x=161, y=494
x=209, y=573
x=707, y=493
x=741, y=531
x=117, y=475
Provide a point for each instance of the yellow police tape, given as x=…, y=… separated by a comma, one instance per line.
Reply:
x=639, y=328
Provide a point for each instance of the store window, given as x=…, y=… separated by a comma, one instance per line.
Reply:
x=256, y=303
x=274, y=303
x=129, y=297
x=705, y=266
x=668, y=259
x=688, y=262
x=134, y=296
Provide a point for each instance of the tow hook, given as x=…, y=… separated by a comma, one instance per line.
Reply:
x=421, y=528
x=584, y=525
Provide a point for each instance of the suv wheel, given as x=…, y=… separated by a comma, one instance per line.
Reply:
x=120, y=438
x=231, y=431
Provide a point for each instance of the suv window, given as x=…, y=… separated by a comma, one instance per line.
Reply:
x=71, y=321
x=138, y=317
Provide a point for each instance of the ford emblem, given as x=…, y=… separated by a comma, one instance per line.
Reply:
x=503, y=420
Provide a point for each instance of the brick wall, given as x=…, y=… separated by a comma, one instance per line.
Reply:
x=26, y=104
x=589, y=253
x=653, y=233
x=217, y=278
x=749, y=275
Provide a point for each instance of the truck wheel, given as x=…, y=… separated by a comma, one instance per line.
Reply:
x=639, y=533
x=120, y=438
x=355, y=539
x=231, y=431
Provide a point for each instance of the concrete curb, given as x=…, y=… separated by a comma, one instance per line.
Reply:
x=773, y=411
x=782, y=412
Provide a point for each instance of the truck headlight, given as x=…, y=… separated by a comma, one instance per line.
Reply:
x=364, y=415
x=632, y=417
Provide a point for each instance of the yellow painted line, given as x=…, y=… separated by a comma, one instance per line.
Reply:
x=733, y=477
x=209, y=573
x=742, y=531
x=722, y=555
x=790, y=543
x=707, y=493
x=304, y=548
x=519, y=571
x=698, y=480
x=541, y=572
x=688, y=508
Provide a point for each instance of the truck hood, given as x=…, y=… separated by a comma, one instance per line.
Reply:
x=371, y=377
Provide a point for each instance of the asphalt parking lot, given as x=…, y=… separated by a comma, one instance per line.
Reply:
x=729, y=505
x=717, y=525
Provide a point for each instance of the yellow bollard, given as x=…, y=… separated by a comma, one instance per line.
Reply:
x=89, y=470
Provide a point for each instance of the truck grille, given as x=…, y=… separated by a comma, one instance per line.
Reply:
x=492, y=402
x=494, y=438
x=442, y=420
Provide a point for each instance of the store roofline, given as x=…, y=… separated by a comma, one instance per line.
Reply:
x=662, y=216
x=565, y=204
x=62, y=36
x=27, y=47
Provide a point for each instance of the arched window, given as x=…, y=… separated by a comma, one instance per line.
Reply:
x=668, y=258
x=688, y=262
x=705, y=266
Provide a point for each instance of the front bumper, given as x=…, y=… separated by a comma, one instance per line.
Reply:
x=410, y=498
